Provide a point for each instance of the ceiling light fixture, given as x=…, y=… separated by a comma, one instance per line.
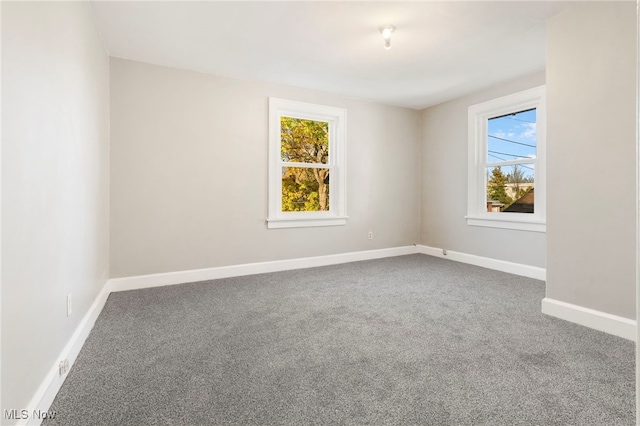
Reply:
x=386, y=31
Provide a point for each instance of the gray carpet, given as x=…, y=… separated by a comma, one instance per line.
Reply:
x=405, y=340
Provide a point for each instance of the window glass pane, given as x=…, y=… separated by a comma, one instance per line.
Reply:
x=510, y=188
x=512, y=136
x=304, y=141
x=305, y=189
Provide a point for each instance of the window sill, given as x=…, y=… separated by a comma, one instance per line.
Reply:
x=278, y=223
x=507, y=223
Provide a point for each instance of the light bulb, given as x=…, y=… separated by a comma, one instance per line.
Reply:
x=386, y=35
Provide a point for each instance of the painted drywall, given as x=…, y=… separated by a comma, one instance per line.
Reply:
x=55, y=179
x=591, y=90
x=444, y=147
x=189, y=173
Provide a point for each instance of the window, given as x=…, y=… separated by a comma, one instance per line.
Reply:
x=307, y=184
x=506, y=162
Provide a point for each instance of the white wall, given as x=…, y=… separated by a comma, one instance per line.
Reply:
x=55, y=172
x=189, y=173
x=591, y=91
x=444, y=140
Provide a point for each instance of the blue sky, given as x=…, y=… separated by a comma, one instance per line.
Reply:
x=513, y=137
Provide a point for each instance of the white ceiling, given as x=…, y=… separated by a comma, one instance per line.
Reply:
x=440, y=50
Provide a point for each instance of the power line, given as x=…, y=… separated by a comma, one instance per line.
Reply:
x=499, y=158
x=507, y=140
x=511, y=155
x=512, y=114
x=517, y=119
x=506, y=153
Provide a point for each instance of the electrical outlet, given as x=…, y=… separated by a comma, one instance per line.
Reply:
x=63, y=367
x=371, y=235
x=69, y=304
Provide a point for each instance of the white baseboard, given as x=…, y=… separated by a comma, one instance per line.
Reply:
x=52, y=382
x=601, y=321
x=485, y=262
x=612, y=324
x=181, y=277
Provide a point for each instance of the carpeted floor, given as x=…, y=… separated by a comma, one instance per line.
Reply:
x=405, y=340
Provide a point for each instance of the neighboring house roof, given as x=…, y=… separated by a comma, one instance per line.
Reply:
x=523, y=204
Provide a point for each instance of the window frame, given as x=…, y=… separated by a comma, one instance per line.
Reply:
x=478, y=118
x=336, y=163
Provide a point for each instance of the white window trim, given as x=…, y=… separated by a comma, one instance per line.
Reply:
x=478, y=119
x=337, y=119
